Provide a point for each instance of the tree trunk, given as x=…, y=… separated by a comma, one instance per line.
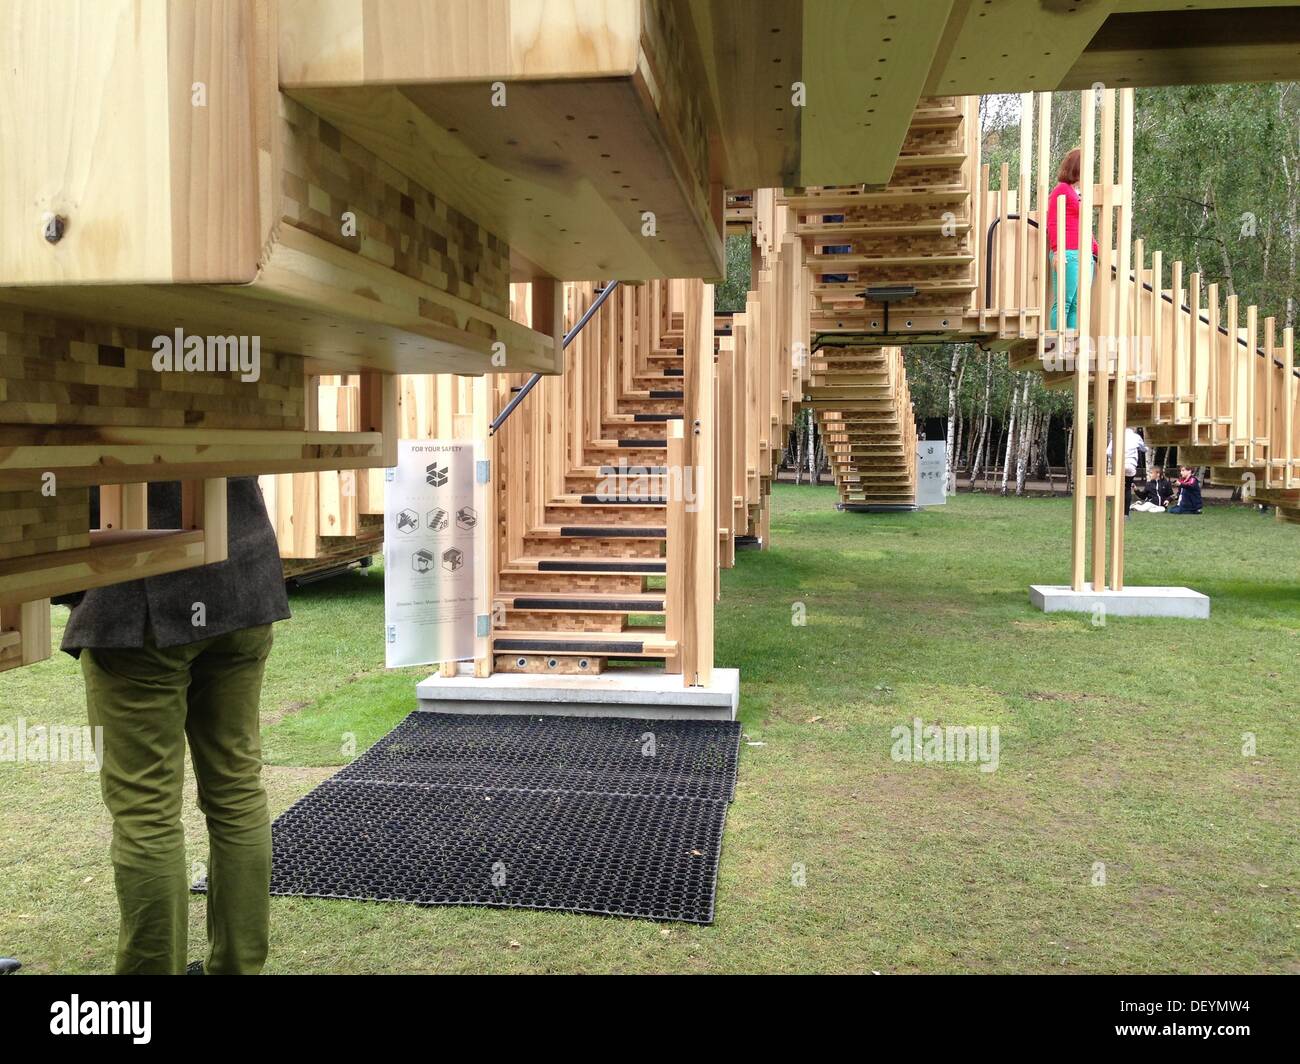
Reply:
x=1011, y=433
x=963, y=439
x=811, y=446
x=1222, y=238
x=1028, y=425
x=1069, y=457
x=1293, y=203
x=995, y=455
x=953, y=383
x=981, y=446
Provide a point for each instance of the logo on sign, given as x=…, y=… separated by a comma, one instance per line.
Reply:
x=436, y=475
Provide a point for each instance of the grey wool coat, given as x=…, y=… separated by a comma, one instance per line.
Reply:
x=244, y=591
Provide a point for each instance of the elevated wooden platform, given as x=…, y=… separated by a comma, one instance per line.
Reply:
x=560, y=126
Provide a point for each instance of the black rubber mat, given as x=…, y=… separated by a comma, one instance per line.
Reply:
x=617, y=817
x=681, y=758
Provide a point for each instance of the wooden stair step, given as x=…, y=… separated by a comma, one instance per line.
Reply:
x=833, y=200
x=922, y=160
x=580, y=643
x=858, y=228
x=829, y=262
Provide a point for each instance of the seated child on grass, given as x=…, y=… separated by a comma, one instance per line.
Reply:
x=1189, y=493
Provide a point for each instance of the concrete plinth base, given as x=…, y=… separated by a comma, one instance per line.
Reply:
x=642, y=693
x=1180, y=602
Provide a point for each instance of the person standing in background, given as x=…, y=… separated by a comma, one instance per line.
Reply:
x=1134, y=445
x=1067, y=185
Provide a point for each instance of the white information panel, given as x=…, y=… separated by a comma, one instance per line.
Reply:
x=931, y=473
x=432, y=540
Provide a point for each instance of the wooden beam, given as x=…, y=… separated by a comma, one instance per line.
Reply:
x=105, y=454
x=129, y=145
x=112, y=557
x=1225, y=42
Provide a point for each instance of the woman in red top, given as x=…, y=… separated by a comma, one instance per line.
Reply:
x=1067, y=186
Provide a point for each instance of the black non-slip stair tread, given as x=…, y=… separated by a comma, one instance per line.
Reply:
x=612, y=532
x=577, y=565
x=665, y=393
x=586, y=603
x=624, y=500
x=674, y=371
x=643, y=444
x=570, y=646
x=657, y=417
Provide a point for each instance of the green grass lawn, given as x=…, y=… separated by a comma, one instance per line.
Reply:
x=1121, y=745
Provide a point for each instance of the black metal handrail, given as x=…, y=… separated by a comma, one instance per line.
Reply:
x=569, y=337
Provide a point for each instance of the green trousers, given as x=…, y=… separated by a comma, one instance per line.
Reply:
x=149, y=701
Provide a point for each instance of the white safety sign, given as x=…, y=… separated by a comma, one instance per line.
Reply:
x=432, y=538
x=931, y=473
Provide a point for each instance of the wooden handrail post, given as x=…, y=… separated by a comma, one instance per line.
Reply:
x=1085, y=347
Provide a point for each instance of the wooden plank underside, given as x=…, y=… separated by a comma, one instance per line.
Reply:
x=1012, y=45
x=865, y=67
x=562, y=173
x=1243, y=42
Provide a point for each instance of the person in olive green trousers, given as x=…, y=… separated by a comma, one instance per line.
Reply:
x=180, y=658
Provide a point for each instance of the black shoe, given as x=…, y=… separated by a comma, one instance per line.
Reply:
x=9, y=965
x=195, y=968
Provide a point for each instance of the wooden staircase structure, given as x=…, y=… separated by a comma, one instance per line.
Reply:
x=964, y=258
x=350, y=191
x=916, y=235
x=625, y=482
x=864, y=410
x=896, y=263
